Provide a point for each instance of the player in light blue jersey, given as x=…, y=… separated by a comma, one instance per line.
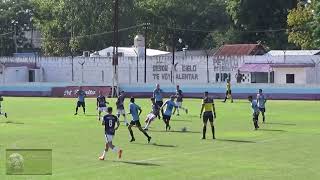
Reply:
x=158, y=96
x=261, y=100
x=255, y=112
x=135, y=112
x=170, y=105
x=81, y=94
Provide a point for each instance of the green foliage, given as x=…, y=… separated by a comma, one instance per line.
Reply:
x=316, y=24
x=256, y=18
x=179, y=15
x=15, y=18
x=300, y=26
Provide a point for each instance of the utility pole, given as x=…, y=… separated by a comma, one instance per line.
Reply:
x=15, y=37
x=173, y=54
x=145, y=50
x=115, y=83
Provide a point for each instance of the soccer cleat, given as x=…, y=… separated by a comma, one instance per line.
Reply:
x=101, y=158
x=169, y=127
x=5, y=115
x=178, y=114
x=149, y=139
x=186, y=111
x=214, y=137
x=132, y=140
x=146, y=129
x=120, y=154
x=203, y=138
x=75, y=113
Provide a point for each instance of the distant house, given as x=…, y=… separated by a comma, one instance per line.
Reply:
x=241, y=50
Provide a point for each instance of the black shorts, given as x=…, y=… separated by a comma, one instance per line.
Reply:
x=159, y=103
x=79, y=104
x=166, y=117
x=255, y=116
x=228, y=92
x=262, y=110
x=136, y=123
x=207, y=116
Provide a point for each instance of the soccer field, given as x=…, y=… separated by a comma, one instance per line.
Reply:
x=286, y=147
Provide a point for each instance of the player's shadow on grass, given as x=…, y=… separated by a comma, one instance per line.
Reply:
x=158, y=145
x=235, y=141
x=284, y=124
x=195, y=132
x=92, y=115
x=139, y=163
x=273, y=130
x=182, y=120
x=11, y=122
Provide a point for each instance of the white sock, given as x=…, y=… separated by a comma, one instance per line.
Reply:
x=115, y=149
x=148, y=124
x=125, y=119
x=104, y=153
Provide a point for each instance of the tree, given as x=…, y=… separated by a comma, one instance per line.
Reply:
x=316, y=24
x=70, y=27
x=261, y=21
x=186, y=19
x=15, y=19
x=300, y=22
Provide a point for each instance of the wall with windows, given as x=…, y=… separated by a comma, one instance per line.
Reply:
x=290, y=76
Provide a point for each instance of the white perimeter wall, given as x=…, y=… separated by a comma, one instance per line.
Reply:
x=185, y=70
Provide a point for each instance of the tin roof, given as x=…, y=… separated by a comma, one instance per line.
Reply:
x=241, y=50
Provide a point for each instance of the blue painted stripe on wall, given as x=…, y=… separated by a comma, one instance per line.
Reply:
x=215, y=89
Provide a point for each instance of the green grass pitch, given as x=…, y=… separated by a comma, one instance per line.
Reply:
x=286, y=147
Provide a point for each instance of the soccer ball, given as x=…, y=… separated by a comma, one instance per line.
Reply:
x=184, y=129
x=15, y=163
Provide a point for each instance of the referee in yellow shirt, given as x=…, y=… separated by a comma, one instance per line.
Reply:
x=209, y=114
x=228, y=92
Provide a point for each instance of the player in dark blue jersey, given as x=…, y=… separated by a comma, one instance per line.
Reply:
x=111, y=124
x=2, y=113
x=101, y=104
x=81, y=94
x=179, y=100
x=120, y=107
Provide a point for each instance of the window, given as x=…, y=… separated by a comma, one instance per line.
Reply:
x=259, y=77
x=290, y=78
x=31, y=75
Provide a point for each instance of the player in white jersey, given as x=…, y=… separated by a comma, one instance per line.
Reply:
x=153, y=114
